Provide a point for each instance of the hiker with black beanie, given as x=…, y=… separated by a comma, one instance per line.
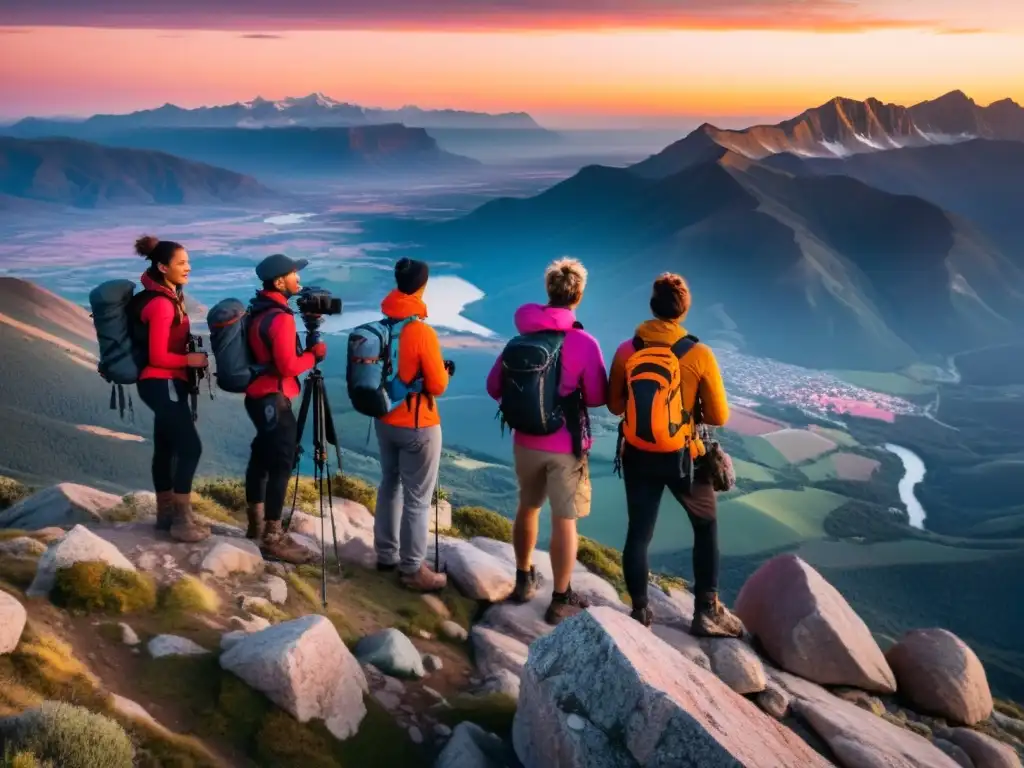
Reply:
x=276, y=346
x=410, y=436
x=163, y=386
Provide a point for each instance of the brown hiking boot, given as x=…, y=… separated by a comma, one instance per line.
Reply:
x=278, y=545
x=564, y=606
x=164, y=510
x=255, y=514
x=184, y=525
x=712, y=619
x=526, y=585
x=424, y=580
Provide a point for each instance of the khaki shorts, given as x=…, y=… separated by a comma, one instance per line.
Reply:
x=559, y=476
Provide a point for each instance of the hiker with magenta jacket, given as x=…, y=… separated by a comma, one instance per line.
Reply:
x=163, y=386
x=544, y=380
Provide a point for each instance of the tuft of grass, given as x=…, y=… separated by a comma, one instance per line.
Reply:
x=670, y=583
x=228, y=493
x=306, y=592
x=12, y=491
x=493, y=712
x=13, y=759
x=209, y=508
x=13, y=533
x=96, y=586
x=271, y=613
x=355, y=489
x=18, y=571
x=439, y=494
x=1009, y=708
x=44, y=667
x=602, y=560
x=468, y=522
x=72, y=737
x=189, y=594
x=129, y=510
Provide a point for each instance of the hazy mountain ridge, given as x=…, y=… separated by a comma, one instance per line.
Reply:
x=844, y=127
x=83, y=174
x=861, y=277
x=313, y=110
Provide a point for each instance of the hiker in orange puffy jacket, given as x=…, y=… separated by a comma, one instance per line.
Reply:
x=647, y=474
x=410, y=438
x=163, y=387
x=275, y=344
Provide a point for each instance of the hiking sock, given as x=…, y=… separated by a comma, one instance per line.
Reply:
x=561, y=597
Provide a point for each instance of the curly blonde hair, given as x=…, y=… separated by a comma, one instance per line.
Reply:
x=565, y=280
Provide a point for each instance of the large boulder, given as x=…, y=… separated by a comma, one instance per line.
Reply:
x=984, y=751
x=858, y=738
x=60, y=505
x=939, y=674
x=603, y=691
x=736, y=665
x=477, y=574
x=499, y=659
x=12, y=622
x=79, y=545
x=806, y=627
x=674, y=608
x=304, y=668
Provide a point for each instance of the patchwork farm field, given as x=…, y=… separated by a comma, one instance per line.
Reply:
x=887, y=383
x=841, y=466
x=745, y=421
x=799, y=445
x=849, y=554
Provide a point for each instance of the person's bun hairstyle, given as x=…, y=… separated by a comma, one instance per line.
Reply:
x=146, y=245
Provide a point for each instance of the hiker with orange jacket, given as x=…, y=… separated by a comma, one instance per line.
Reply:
x=656, y=381
x=410, y=437
x=275, y=344
x=163, y=386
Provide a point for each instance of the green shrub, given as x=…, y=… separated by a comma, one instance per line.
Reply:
x=72, y=737
x=355, y=489
x=439, y=494
x=96, y=586
x=1009, y=708
x=127, y=511
x=11, y=492
x=189, y=594
x=468, y=522
x=267, y=611
x=211, y=510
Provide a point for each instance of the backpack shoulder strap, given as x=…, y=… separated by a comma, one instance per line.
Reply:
x=638, y=343
x=264, y=319
x=684, y=345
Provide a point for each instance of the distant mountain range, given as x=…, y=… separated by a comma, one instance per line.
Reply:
x=806, y=264
x=314, y=110
x=86, y=175
x=845, y=127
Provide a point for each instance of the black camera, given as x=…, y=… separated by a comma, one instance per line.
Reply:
x=317, y=301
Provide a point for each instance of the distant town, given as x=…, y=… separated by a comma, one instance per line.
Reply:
x=817, y=392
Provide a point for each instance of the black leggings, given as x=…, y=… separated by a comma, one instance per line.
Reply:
x=176, y=443
x=645, y=482
x=273, y=453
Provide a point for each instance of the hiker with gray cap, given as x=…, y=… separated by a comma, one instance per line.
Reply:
x=275, y=345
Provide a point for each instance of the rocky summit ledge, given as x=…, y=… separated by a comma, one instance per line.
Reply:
x=157, y=639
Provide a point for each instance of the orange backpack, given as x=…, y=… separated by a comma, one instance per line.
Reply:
x=655, y=419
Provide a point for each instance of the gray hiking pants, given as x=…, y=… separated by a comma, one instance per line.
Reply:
x=409, y=460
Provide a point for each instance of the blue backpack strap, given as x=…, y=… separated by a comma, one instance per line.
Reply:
x=684, y=345
x=638, y=343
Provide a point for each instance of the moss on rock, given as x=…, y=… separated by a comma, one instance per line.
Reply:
x=189, y=594
x=96, y=586
x=227, y=492
x=355, y=489
x=468, y=522
x=12, y=491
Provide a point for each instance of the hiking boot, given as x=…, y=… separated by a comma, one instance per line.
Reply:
x=424, y=580
x=184, y=525
x=526, y=585
x=255, y=514
x=164, y=510
x=712, y=619
x=278, y=545
x=565, y=605
x=644, y=615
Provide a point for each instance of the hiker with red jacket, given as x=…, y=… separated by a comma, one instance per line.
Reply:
x=275, y=345
x=547, y=414
x=163, y=386
x=410, y=436
x=662, y=382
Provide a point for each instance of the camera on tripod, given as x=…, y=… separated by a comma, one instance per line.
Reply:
x=317, y=301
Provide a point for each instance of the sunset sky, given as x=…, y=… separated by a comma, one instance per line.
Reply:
x=567, y=62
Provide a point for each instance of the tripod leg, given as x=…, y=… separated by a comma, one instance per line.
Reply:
x=301, y=426
x=334, y=527
x=318, y=473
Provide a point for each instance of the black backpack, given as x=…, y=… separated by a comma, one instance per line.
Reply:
x=531, y=372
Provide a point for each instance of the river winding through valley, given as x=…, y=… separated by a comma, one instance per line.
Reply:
x=913, y=473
